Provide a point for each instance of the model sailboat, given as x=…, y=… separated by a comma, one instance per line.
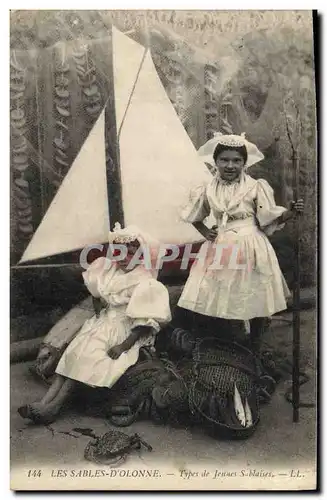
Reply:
x=158, y=166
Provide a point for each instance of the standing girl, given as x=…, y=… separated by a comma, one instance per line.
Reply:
x=249, y=286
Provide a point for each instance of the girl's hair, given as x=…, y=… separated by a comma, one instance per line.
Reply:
x=134, y=243
x=240, y=149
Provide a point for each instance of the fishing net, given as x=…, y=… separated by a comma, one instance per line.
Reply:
x=215, y=386
x=130, y=398
x=212, y=383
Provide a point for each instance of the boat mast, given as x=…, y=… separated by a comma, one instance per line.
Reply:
x=114, y=185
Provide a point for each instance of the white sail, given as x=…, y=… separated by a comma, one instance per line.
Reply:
x=159, y=165
x=127, y=59
x=78, y=215
x=158, y=161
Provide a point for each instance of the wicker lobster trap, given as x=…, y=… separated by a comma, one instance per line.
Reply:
x=224, y=389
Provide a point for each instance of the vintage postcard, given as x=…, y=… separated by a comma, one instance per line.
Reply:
x=163, y=181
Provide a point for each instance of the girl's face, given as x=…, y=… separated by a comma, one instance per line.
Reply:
x=131, y=250
x=230, y=164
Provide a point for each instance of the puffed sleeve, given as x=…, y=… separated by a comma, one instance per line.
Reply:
x=95, y=275
x=149, y=305
x=267, y=210
x=197, y=208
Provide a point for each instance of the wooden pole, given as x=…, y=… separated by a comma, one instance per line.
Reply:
x=36, y=266
x=114, y=182
x=296, y=290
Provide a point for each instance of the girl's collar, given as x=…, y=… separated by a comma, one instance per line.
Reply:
x=224, y=182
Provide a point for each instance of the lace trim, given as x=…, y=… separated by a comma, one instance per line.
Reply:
x=224, y=182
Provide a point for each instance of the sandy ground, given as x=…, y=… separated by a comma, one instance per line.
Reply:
x=277, y=444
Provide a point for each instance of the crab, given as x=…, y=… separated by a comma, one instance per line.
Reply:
x=113, y=447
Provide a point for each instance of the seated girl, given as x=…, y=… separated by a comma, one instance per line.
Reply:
x=137, y=305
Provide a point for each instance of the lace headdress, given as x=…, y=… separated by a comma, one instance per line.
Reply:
x=231, y=140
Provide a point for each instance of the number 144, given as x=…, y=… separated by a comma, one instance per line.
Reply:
x=34, y=473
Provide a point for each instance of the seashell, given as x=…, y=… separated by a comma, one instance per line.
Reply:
x=93, y=109
x=16, y=66
x=60, y=143
x=17, y=114
x=91, y=91
x=16, y=95
x=62, y=92
x=211, y=116
x=61, y=125
x=19, y=124
x=61, y=161
x=61, y=81
x=62, y=111
x=225, y=122
x=25, y=212
x=81, y=78
x=78, y=55
x=27, y=217
x=21, y=168
x=19, y=149
x=89, y=72
x=61, y=153
x=22, y=183
x=62, y=68
x=94, y=99
x=63, y=103
x=19, y=87
x=80, y=68
x=227, y=96
x=19, y=142
x=88, y=81
x=16, y=75
x=20, y=158
x=20, y=193
x=23, y=204
x=27, y=229
x=18, y=132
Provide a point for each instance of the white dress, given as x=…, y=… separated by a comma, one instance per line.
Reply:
x=245, y=212
x=134, y=298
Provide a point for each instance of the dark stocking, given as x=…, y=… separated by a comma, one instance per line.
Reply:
x=257, y=328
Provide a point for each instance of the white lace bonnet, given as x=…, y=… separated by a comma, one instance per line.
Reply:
x=131, y=233
x=206, y=151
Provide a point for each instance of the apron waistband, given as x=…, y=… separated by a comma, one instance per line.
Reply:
x=240, y=226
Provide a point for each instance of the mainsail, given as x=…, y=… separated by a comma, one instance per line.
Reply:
x=158, y=164
x=158, y=161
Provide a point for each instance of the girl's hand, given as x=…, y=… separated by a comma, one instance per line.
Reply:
x=98, y=305
x=297, y=206
x=211, y=234
x=208, y=234
x=115, y=352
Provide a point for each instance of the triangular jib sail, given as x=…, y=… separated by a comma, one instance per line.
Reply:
x=158, y=164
